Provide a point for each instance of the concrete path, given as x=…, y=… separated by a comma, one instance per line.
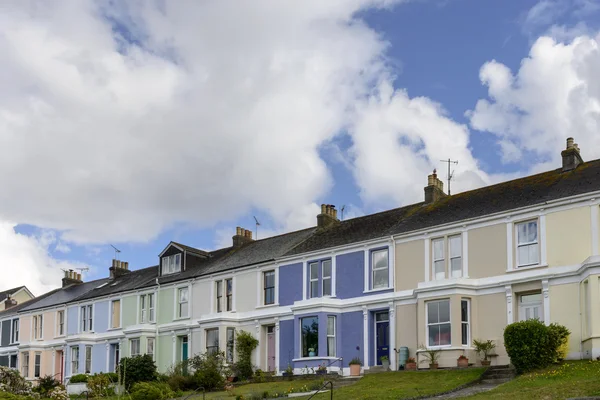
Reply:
x=468, y=391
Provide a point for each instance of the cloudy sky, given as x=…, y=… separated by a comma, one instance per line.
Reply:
x=136, y=123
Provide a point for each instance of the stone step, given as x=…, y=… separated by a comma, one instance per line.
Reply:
x=495, y=381
x=501, y=372
x=500, y=367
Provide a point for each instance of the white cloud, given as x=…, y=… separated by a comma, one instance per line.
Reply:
x=25, y=260
x=554, y=94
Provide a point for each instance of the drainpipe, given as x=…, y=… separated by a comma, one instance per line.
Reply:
x=156, y=338
x=580, y=321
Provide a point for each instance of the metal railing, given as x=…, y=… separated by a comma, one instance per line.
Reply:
x=330, y=383
x=195, y=392
x=340, y=359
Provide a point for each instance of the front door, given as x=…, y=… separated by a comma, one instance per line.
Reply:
x=116, y=357
x=382, y=335
x=184, y=348
x=270, y=348
x=58, y=366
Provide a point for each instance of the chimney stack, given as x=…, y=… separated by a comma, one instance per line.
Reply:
x=570, y=156
x=71, y=278
x=9, y=302
x=241, y=237
x=328, y=216
x=118, y=268
x=434, y=189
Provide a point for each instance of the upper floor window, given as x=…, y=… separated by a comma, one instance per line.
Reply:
x=229, y=294
x=15, y=331
x=527, y=243
x=453, y=255
x=183, y=298
x=380, y=267
x=115, y=314
x=438, y=323
x=147, y=308
x=530, y=306
x=320, y=272
x=60, y=322
x=171, y=264
x=86, y=318
x=38, y=326
x=219, y=295
x=269, y=287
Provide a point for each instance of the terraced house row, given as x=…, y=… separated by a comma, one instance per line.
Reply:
x=438, y=273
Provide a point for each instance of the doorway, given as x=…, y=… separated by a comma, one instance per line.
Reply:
x=382, y=336
x=271, y=348
x=59, y=363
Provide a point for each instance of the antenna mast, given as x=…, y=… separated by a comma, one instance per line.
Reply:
x=450, y=174
x=117, y=251
x=257, y=224
x=342, y=211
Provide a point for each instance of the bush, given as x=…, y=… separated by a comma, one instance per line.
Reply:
x=245, y=344
x=559, y=339
x=79, y=378
x=210, y=370
x=99, y=385
x=58, y=393
x=45, y=385
x=10, y=396
x=13, y=383
x=137, y=369
x=151, y=391
x=531, y=344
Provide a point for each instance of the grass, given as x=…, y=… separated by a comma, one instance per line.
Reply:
x=570, y=379
x=260, y=388
x=397, y=385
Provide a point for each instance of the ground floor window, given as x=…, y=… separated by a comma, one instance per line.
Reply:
x=134, y=347
x=13, y=361
x=330, y=336
x=530, y=307
x=25, y=367
x=438, y=323
x=230, y=344
x=212, y=340
x=309, y=327
x=150, y=347
x=465, y=311
x=74, y=360
x=37, y=365
x=88, y=359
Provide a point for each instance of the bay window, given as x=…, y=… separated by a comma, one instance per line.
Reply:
x=465, y=326
x=212, y=340
x=438, y=323
x=309, y=333
x=331, y=336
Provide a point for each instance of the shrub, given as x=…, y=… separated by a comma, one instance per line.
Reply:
x=58, y=393
x=137, y=369
x=559, y=339
x=99, y=385
x=45, y=385
x=79, y=378
x=151, y=391
x=210, y=370
x=245, y=344
x=12, y=382
x=531, y=344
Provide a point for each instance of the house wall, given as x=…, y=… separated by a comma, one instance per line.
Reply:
x=99, y=358
x=72, y=320
x=49, y=324
x=487, y=251
x=25, y=329
x=202, y=292
x=101, y=316
x=568, y=248
x=351, y=336
x=290, y=284
x=406, y=328
x=245, y=291
x=488, y=314
x=350, y=277
x=129, y=312
x=166, y=305
x=410, y=264
x=564, y=309
x=286, y=344
x=164, y=356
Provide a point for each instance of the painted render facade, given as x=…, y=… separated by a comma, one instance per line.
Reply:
x=438, y=273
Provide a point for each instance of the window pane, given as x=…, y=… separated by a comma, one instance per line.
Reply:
x=532, y=232
x=434, y=334
x=229, y=283
x=330, y=347
x=177, y=263
x=455, y=246
x=327, y=287
x=521, y=233
x=523, y=254
x=465, y=334
x=432, y=312
x=326, y=268
x=314, y=289
x=438, y=249
x=440, y=272
x=270, y=279
x=531, y=298
x=464, y=311
x=382, y=316
x=380, y=278
x=314, y=271
x=310, y=336
x=380, y=259
x=444, y=334
x=444, y=311
x=456, y=267
x=533, y=253
x=330, y=325
x=183, y=310
x=183, y=295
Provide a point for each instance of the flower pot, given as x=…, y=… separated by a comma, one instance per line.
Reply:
x=354, y=369
x=485, y=363
x=321, y=372
x=433, y=366
x=462, y=362
x=230, y=378
x=312, y=354
x=410, y=366
x=385, y=364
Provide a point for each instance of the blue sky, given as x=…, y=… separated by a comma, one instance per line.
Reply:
x=432, y=50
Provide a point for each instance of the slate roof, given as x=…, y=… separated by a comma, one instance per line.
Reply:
x=9, y=292
x=505, y=196
x=135, y=279
x=64, y=295
x=193, y=250
x=13, y=310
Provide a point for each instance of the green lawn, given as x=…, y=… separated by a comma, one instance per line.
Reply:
x=571, y=379
x=260, y=388
x=397, y=385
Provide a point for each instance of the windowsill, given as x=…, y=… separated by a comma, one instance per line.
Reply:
x=59, y=336
x=315, y=358
x=114, y=329
x=444, y=347
x=268, y=305
x=180, y=318
x=527, y=268
x=378, y=290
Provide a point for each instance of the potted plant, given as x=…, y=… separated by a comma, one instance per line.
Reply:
x=462, y=361
x=311, y=352
x=385, y=362
x=355, y=364
x=289, y=371
x=431, y=355
x=484, y=348
x=321, y=370
x=411, y=364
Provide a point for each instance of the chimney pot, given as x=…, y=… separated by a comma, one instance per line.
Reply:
x=238, y=230
x=323, y=208
x=434, y=189
x=570, y=142
x=571, y=156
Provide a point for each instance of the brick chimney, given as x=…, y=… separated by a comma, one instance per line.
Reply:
x=71, y=278
x=328, y=216
x=434, y=189
x=9, y=302
x=118, y=268
x=570, y=156
x=241, y=237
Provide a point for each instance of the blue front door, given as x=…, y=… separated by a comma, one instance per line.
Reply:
x=382, y=335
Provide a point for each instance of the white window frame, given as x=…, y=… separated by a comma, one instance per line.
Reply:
x=143, y=311
x=14, y=333
x=451, y=271
x=373, y=269
x=219, y=296
x=436, y=259
x=328, y=278
x=312, y=295
x=37, y=366
x=112, y=312
x=331, y=336
x=171, y=264
x=74, y=360
x=531, y=306
x=265, y=287
x=88, y=359
x=181, y=303
x=428, y=324
x=467, y=322
x=151, y=308
x=86, y=318
x=60, y=323
x=38, y=327
x=228, y=294
x=149, y=341
x=535, y=243
x=25, y=364
x=229, y=347
x=210, y=347
x=135, y=341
